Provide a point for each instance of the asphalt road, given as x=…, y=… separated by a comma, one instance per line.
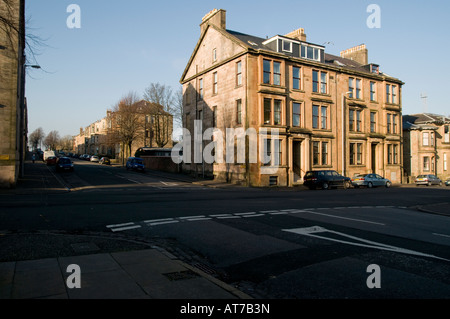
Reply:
x=271, y=243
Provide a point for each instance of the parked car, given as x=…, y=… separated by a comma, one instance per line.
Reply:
x=428, y=179
x=51, y=160
x=447, y=182
x=370, y=180
x=94, y=158
x=105, y=161
x=64, y=164
x=135, y=163
x=48, y=154
x=326, y=179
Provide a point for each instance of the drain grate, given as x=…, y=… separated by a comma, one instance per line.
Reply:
x=205, y=268
x=181, y=275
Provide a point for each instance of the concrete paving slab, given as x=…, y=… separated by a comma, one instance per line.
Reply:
x=113, y=284
x=194, y=288
x=89, y=263
x=6, y=279
x=46, y=263
x=149, y=260
x=37, y=283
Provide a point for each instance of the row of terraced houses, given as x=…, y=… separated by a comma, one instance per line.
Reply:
x=330, y=112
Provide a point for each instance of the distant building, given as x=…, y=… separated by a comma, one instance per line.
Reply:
x=13, y=110
x=426, y=150
x=153, y=128
x=331, y=112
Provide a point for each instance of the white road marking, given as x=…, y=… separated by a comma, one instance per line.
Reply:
x=442, y=235
x=163, y=223
x=220, y=215
x=244, y=214
x=190, y=217
x=311, y=231
x=169, y=184
x=125, y=228
x=254, y=215
x=197, y=219
x=340, y=217
x=131, y=180
x=119, y=225
x=157, y=220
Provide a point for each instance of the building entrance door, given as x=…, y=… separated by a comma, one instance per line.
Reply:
x=296, y=160
x=374, y=157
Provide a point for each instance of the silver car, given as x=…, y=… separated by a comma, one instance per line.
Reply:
x=370, y=180
x=428, y=179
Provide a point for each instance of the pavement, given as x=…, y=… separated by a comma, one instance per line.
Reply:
x=93, y=266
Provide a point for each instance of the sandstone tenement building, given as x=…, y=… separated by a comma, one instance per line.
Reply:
x=331, y=112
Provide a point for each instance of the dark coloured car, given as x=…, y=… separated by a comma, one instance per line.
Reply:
x=447, y=182
x=135, y=163
x=64, y=164
x=105, y=161
x=428, y=180
x=370, y=180
x=326, y=179
x=51, y=160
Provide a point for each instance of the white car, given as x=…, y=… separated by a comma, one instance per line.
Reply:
x=95, y=159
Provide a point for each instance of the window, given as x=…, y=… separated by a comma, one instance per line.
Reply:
x=356, y=153
x=389, y=123
x=425, y=139
x=316, y=153
x=373, y=91
x=389, y=153
x=358, y=121
x=274, y=157
x=373, y=122
x=274, y=108
x=214, y=55
x=296, y=78
x=319, y=82
x=308, y=52
x=446, y=134
x=239, y=111
x=214, y=117
x=394, y=123
x=215, y=83
x=388, y=93
x=200, y=115
x=426, y=164
x=239, y=73
x=267, y=111
x=315, y=116
x=432, y=138
x=320, y=116
x=358, y=89
x=277, y=112
x=267, y=71
x=351, y=120
x=276, y=73
x=395, y=154
x=296, y=114
x=323, y=117
x=324, y=154
x=394, y=94
x=351, y=87
x=200, y=88
x=287, y=46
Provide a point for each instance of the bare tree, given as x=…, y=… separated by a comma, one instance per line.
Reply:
x=127, y=118
x=66, y=143
x=52, y=139
x=36, y=138
x=178, y=107
x=160, y=94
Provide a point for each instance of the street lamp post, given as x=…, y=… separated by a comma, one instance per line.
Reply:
x=344, y=98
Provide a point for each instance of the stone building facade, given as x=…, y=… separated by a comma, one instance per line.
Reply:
x=13, y=110
x=310, y=110
x=426, y=145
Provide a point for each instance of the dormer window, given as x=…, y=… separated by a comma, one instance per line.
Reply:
x=287, y=46
x=311, y=53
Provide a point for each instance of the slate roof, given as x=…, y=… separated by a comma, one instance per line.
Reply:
x=330, y=59
x=423, y=121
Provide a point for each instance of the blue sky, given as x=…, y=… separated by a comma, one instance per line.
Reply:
x=124, y=46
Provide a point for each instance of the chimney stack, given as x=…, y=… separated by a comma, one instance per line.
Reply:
x=214, y=17
x=298, y=34
x=359, y=54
